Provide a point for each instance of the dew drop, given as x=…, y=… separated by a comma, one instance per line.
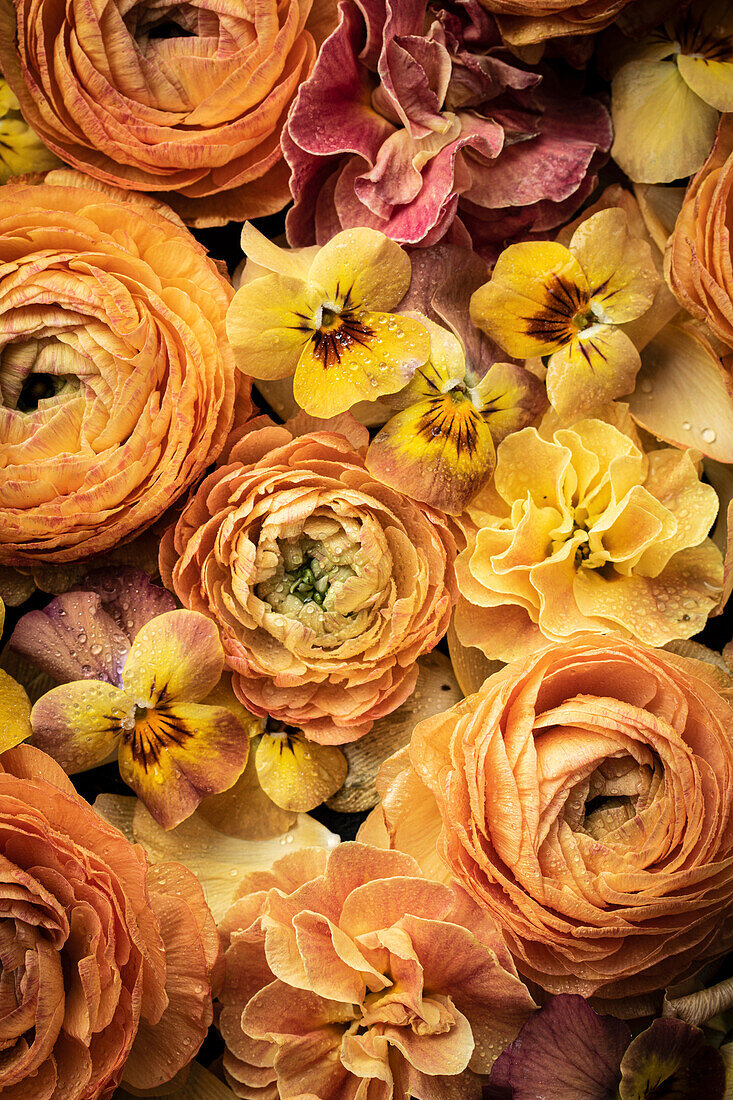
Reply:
x=95, y=650
x=708, y=435
x=645, y=386
x=686, y=425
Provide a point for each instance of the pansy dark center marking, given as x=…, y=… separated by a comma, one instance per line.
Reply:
x=337, y=333
x=564, y=312
x=694, y=40
x=453, y=416
x=152, y=731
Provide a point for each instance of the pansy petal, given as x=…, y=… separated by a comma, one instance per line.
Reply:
x=80, y=724
x=298, y=774
x=672, y=1059
x=15, y=713
x=73, y=638
x=439, y=451
x=362, y=269
x=293, y=263
x=129, y=597
x=175, y=756
x=528, y=306
x=711, y=80
x=268, y=323
x=365, y=357
x=510, y=398
x=620, y=269
x=599, y=365
x=664, y=131
x=176, y=656
x=683, y=393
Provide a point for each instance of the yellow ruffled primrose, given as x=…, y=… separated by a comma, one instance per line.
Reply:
x=323, y=315
x=21, y=150
x=440, y=447
x=566, y=303
x=176, y=743
x=582, y=531
x=669, y=91
x=15, y=706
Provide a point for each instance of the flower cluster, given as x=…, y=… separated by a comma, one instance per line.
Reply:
x=366, y=549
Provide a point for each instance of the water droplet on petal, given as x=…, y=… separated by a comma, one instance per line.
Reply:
x=708, y=435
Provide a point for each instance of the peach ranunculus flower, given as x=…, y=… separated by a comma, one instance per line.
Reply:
x=187, y=100
x=584, y=797
x=326, y=585
x=582, y=531
x=350, y=976
x=528, y=22
x=106, y=964
x=117, y=386
x=699, y=257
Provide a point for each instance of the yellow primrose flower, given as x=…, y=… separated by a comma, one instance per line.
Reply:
x=174, y=747
x=440, y=447
x=545, y=299
x=322, y=315
x=668, y=94
x=21, y=150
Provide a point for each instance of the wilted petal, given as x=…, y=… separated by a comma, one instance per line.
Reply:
x=80, y=723
x=599, y=364
x=298, y=774
x=175, y=657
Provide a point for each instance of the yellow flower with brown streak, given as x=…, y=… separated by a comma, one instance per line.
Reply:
x=175, y=743
x=669, y=91
x=582, y=531
x=323, y=315
x=15, y=707
x=21, y=150
x=440, y=446
x=351, y=976
x=567, y=303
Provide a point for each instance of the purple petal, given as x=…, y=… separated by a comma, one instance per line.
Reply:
x=129, y=597
x=672, y=1059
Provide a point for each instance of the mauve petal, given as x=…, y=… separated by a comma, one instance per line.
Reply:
x=129, y=596
x=73, y=638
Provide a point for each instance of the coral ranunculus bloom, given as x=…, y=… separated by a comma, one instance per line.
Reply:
x=106, y=964
x=350, y=976
x=117, y=385
x=584, y=797
x=187, y=100
x=326, y=585
x=700, y=258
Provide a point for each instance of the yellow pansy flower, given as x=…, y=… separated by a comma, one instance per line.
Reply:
x=15, y=707
x=566, y=303
x=323, y=315
x=668, y=94
x=21, y=150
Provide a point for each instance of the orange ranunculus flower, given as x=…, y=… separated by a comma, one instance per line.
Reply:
x=526, y=22
x=326, y=584
x=699, y=257
x=584, y=797
x=117, y=385
x=187, y=100
x=106, y=965
x=351, y=975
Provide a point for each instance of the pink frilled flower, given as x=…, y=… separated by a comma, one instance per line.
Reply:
x=418, y=122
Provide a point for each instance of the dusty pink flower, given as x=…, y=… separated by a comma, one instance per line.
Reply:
x=418, y=122
x=351, y=976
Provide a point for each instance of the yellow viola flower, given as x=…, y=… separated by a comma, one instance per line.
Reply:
x=15, y=706
x=323, y=315
x=669, y=92
x=175, y=744
x=566, y=303
x=21, y=150
x=441, y=446
x=297, y=774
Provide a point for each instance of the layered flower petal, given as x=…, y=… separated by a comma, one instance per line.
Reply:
x=174, y=657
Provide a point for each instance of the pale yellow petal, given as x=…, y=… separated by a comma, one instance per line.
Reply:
x=620, y=268
x=298, y=774
x=711, y=80
x=15, y=713
x=362, y=269
x=269, y=322
x=294, y=263
x=598, y=366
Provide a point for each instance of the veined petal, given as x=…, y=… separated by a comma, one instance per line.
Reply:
x=174, y=756
x=511, y=397
x=620, y=269
x=362, y=269
x=175, y=657
x=361, y=357
x=298, y=774
x=599, y=365
x=528, y=306
x=15, y=713
x=294, y=263
x=80, y=724
x=664, y=131
x=269, y=321
x=439, y=451
x=711, y=80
